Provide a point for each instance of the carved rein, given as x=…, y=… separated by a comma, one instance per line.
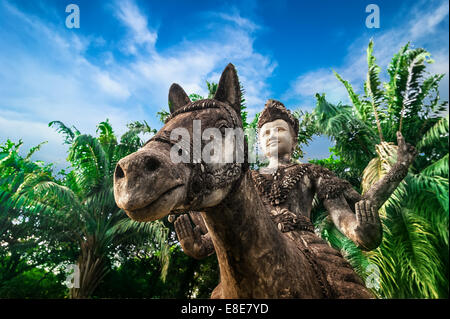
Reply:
x=203, y=180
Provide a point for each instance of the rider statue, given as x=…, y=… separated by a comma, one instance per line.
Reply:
x=288, y=188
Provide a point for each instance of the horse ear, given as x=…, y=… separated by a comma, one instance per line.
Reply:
x=177, y=98
x=228, y=90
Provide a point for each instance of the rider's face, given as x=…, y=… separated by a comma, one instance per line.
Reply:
x=275, y=138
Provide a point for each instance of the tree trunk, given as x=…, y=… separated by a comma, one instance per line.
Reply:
x=92, y=268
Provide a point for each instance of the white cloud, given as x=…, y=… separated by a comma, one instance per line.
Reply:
x=128, y=13
x=421, y=29
x=112, y=87
x=57, y=80
x=441, y=66
x=192, y=62
x=319, y=81
x=240, y=21
x=425, y=24
x=33, y=133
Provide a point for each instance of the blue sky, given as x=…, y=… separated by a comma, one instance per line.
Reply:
x=121, y=61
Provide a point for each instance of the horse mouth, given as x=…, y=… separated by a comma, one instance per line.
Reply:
x=148, y=208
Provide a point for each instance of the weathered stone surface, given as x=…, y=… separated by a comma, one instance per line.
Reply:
x=242, y=210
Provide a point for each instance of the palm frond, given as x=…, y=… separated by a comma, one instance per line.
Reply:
x=429, y=88
x=60, y=223
x=34, y=150
x=412, y=91
x=363, y=109
x=438, y=168
x=431, y=206
x=137, y=127
x=436, y=185
x=163, y=115
x=49, y=192
x=155, y=231
x=413, y=257
x=354, y=138
x=328, y=231
x=106, y=134
x=68, y=132
x=417, y=254
x=435, y=134
x=373, y=87
x=91, y=163
x=414, y=221
x=395, y=86
x=212, y=88
x=130, y=140
x=332, y=120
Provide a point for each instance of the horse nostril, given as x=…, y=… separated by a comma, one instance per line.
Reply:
x=119, y=172
x=151, y=164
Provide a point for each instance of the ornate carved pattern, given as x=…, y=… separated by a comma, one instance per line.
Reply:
x=284, y=179
x=329, y=186
x=287, y=221
x=397, y=173
x=319, y=271
x=276, y=110
x=277, y=189
x=203, y=179
x=195, y=106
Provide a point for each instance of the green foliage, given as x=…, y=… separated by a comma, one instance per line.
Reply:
x=138, y=277
x=195, y=97
x=307, y=129
x=79, y=209
x=24, y=240
x=48, y=221
x=70, y=133
x=212, y=89
x=372, y=87
x=34, y=283
x=437, y=134
x=340, y=168
x=349, y=250
x=354, y=138
x=163, y=115
x=413, y=256
x=134, y=232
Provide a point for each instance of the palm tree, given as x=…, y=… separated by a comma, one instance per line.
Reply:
x=80, y=209
x=413, y=256
x=20, y=249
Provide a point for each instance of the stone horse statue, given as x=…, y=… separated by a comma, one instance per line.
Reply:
x=256, y=260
